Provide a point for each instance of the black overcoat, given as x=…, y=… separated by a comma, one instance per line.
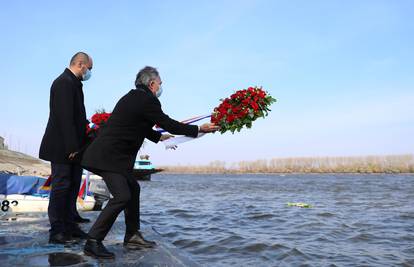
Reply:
x=116, y=146
x=66, y=128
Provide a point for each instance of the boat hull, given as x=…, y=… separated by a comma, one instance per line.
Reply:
x=144, y=174
x=15, y=203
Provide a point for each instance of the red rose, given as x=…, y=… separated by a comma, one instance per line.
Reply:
x=96, y=118
x=254, y=106
x=230, y=118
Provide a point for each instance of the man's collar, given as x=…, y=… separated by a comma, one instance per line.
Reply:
x=145, y=88
x=73, y=76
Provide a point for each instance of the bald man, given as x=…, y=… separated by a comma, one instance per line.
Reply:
x=64, y=137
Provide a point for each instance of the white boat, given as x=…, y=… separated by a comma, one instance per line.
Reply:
x=17, y=203
x=30, y=194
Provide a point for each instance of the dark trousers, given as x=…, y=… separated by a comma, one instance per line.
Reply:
x=125, y=191
x=65, y=184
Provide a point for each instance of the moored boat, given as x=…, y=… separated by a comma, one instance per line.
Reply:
x=30, y=194
x=143, y=168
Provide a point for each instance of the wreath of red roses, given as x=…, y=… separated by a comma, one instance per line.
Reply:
x=241, y=109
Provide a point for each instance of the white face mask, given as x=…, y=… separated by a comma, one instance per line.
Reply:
x=86, y=75
x=159, y=92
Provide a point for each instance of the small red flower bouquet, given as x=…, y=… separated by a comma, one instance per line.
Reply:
x=241, y=109
x=98, y=121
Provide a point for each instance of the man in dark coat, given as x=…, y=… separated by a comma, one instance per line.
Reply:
x=113, y=153
x=64, y=137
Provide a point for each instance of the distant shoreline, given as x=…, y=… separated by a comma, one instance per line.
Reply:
x=389, y=164
x=284, y=173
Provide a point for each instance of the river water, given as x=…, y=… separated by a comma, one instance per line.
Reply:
x=243, y=220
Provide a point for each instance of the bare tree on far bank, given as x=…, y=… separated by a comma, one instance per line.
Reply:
x=365, y=164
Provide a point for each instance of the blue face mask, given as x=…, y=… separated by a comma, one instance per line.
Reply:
x=87, y=75
x=159, y=92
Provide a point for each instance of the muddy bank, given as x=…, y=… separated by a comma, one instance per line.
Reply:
x=22, y=164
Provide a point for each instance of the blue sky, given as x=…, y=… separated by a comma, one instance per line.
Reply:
x=342, y=71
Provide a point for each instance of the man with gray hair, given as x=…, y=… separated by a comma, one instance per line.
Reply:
x=112, y=155
x=145, y=76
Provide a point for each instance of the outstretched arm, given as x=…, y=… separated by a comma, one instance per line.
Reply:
x=153, y=136
x=154, y=113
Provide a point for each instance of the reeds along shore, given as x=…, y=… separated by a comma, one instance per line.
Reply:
x=366, y=164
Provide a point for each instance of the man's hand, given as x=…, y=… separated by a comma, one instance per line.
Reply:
x=165, y=137
x=208, y=128
x=72, y=155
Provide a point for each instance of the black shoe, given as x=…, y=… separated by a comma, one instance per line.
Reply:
x=78, y=233
x=96, y=249
x=136, y=241
x=59, y=238
x=79, y=219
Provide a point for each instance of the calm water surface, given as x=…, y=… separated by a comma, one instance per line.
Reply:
x=243, y=220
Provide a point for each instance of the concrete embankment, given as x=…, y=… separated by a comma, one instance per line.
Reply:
x=24, y=242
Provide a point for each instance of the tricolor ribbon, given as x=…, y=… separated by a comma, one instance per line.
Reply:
x=188, y=121
x=173, y=142
x=83, y=192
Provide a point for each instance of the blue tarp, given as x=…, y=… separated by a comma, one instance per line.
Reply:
x=25, y=185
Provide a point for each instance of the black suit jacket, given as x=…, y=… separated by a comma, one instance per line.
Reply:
x=66, y=129
x=116, y=147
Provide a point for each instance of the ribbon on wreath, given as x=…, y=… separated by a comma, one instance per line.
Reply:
x=173, y=142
